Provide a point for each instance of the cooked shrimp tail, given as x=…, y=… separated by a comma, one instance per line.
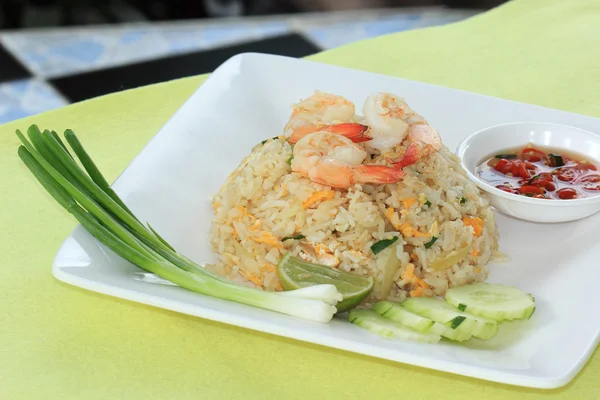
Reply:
x=423, y=140
x=340, y=175
x=353, y=131
x=379, y=174
x=356, y=132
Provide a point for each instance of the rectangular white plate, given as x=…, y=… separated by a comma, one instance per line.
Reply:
x=247, y=100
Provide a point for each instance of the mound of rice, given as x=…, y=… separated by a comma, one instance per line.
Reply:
x=263, y=202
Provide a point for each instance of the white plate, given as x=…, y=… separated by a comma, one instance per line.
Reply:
x=247, y=100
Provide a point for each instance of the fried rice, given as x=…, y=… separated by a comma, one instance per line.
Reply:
x=445, y=227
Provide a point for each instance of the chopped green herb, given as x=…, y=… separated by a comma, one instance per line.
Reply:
x=506, y=156
x=431, y=242
x=297, y=237
x=457, y=321
x=273, y=138
x=378, y=247
x=428, y=203
x=556, y=160
x=462, y=307
x=292, y=156
x=463, y=200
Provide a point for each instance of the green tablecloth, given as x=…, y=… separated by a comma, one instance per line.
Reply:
x=61, y=342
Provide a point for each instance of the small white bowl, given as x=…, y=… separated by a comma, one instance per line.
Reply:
x=490, y=140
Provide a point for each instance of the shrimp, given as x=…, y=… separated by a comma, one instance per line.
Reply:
x=334, y=160
x=353, y=131
x=324, y=112
x=391, y=121
x=423, y=140
x=388, y=117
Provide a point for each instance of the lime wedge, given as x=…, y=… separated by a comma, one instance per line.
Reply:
x=295, y=273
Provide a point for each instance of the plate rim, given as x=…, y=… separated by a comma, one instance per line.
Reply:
x=373, y=351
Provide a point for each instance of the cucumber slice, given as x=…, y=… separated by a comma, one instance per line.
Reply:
x=453, y=334
x=493, y=301
x=375, y=323
x=396, y=313
x=445, y=314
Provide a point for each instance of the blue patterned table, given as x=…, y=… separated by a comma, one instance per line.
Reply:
x=51, y=53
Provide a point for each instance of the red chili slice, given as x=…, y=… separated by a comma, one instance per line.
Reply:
x=526, y=170
x=517, y=168
x=549, y=186
x=586, y=166
x=507, y=188
x=566, y=194
x=545, y=176
x=531, y=190
x=503, y=166
x=543, y=180
x=592, y=187
x=593, y=178
x=532, y=155
x=567, y=174
x=532, y=158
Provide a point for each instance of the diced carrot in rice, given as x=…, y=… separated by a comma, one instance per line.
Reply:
x=409, y=202
x=408, y=230
x=474, y=222
x=269, y=267
x=267, y=238
x=257, y=281
x=319, y=196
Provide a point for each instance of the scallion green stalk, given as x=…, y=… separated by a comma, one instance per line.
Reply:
x=91, y=200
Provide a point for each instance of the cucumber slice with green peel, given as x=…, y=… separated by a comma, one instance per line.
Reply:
x=493, y=301
x=372, y=321
x=453, y=334
x=399, y=314
x=442, y=312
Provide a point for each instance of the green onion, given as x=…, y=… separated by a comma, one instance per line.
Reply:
x=427, y=203
x=506, y=156
x=431, y=242
x=457, y=321
x=463, y=200
x=297, y=237
x=91, y=200
x=462, y=307
x=291, y=157
x=273, y=138
x=381, y=245
x=556, y=160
